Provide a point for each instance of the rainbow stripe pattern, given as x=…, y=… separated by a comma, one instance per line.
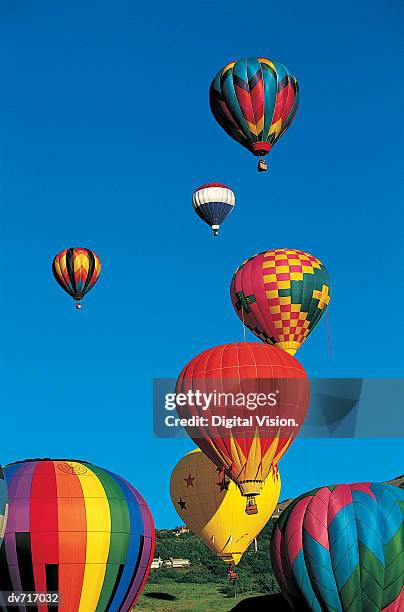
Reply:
x=77, y=529
x=3, y=505
x=341, y=548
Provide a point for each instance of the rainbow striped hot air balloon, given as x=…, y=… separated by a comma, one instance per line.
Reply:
x=76, y=270
x=78, y=530
x=3, y=505
x=341, y=548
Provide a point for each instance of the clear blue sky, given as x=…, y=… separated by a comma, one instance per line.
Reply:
x=105, y=130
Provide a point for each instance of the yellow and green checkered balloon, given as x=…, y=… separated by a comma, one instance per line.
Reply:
x=281, y=295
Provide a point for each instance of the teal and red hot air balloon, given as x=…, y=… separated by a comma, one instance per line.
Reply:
x=341, y=548
x=213, y=202
x=77, y=530
x=254, y=100
x=76, y=270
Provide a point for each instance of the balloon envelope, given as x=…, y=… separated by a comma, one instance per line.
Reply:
x=212, y=506
x=281, y=295
x=213, y=203
x=76, y=270
x=341, y=548
x=255, y=101
x=247, y=450
x=3, y=505
x=76, y=529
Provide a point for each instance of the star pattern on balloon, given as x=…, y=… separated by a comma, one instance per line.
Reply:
x=189, y=481
x=182, y=504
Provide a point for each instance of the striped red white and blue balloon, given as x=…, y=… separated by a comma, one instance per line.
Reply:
x=213, y=202
x=340, y=548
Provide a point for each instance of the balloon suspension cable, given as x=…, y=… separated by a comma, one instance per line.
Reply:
x=328, y=333
x=242, y=319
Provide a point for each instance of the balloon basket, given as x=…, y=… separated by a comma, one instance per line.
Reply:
x=262, y=165
x=251, y=506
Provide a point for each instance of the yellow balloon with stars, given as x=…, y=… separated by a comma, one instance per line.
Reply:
x=212, y=507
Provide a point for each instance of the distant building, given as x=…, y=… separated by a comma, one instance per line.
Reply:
x=177, y=563
x=180, y=530
x=157, y=563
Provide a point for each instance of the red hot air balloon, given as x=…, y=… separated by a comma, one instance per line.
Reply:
x=259, y=396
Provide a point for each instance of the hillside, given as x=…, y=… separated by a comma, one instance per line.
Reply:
x=204, y=585
x=254, y=571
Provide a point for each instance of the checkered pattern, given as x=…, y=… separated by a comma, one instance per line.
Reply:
x=281, y=295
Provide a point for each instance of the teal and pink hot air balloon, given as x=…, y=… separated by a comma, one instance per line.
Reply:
x=76, y=530
x=254, y=100
x=341, y=548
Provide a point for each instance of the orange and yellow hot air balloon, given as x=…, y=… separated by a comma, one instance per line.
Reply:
x=76, y=270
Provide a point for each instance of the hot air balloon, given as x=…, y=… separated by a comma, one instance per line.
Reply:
x=3, y=505
x=213, y=202
x=212, y=506
x=255, y=101
x=78, y=530
x=76, y=270
x=341, y=548
x=244, y=437
x=281, y=295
